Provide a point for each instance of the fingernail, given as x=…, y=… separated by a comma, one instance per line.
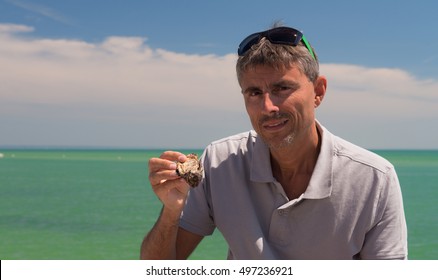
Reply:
x=182, y=158
x=172, y=166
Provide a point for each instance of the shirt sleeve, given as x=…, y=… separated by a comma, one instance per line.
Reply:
x=387, y=239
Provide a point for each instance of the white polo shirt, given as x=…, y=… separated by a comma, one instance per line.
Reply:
x=352, y=208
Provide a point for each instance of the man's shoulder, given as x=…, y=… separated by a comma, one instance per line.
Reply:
x=349, y=151
x=236, y=140
x=232, y=148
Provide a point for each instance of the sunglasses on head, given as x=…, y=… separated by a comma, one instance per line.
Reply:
x=279, y=35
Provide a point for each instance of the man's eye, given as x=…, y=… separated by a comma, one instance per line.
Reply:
x=254, y=93
x=284, y=88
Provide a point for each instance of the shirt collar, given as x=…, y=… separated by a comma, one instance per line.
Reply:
x=320, y=184
x=261, y=170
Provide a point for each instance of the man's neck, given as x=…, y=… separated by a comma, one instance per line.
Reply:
x=293, y=166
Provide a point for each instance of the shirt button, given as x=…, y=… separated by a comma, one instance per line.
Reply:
x=281, y=212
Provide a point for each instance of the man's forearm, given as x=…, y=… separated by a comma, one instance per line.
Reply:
x=160, y=242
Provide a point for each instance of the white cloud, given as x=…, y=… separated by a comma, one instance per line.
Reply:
x=13, y=28
x=381, y=107
x=384, y=91
x=118, y=70
x=121, y=92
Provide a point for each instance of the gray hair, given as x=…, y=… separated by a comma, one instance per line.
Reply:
x=279, y=56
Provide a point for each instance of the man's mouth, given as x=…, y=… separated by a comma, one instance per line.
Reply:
x=275, y=125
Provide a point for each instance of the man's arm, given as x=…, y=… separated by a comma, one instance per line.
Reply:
x=166, y=240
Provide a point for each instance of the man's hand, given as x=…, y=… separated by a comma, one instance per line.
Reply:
x=170, y=188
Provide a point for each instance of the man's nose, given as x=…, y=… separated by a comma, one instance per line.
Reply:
x=269, y=103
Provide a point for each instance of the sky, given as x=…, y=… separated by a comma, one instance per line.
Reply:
x=161, y=73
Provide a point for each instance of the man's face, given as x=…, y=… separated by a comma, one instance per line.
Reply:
x=280, y=104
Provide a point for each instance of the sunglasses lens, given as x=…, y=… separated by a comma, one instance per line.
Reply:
x=247, y=43
x=279, y=35
x=285, y=36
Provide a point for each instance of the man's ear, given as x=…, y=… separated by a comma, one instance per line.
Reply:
x=320, y=86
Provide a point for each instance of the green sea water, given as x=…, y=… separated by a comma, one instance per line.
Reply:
x=98, y=204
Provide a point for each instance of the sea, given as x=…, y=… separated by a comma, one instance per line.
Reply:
x=97, y=204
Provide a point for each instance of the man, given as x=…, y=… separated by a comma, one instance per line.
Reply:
x=288, y=190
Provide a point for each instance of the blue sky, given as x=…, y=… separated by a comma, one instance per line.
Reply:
x=161, y=73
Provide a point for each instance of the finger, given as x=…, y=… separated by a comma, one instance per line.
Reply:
x=164, y=168
x=166, y=161
x=156, y=164
x=173, y=156
x=158, y=177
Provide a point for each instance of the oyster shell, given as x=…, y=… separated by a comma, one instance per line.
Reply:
x=190, y=170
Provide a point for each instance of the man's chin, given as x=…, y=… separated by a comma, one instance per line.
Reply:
x=275, y=144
